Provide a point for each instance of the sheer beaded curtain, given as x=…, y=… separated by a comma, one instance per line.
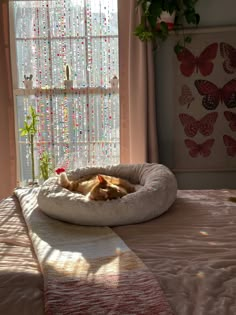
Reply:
x=78, y=125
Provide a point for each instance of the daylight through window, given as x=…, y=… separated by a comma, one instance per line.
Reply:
x=66, y=67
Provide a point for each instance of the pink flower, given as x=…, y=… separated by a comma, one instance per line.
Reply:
x=60, y=170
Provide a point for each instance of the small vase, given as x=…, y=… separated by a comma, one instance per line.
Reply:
x=114, y=84
x=68, y=84
x=28, y=84
x=168, y=18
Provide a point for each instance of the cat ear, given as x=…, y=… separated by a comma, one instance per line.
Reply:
x=101, y=179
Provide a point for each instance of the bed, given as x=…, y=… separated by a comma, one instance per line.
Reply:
x=190, y=250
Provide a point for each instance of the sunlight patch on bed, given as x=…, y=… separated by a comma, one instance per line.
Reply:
x=212, y=243
x=200, y=275
x=113, y=269
x=204, y=233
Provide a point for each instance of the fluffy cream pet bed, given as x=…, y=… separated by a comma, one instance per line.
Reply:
x=156, y=191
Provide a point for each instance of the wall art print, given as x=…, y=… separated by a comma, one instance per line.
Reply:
x=205, y=102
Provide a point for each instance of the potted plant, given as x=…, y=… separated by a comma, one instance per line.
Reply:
x=28, y=82
x=29, y=130
x=154, y=27
x=114, y=84
x=68, y=82
x=45, y=165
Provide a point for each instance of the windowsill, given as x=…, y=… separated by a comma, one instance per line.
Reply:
x=51, y=91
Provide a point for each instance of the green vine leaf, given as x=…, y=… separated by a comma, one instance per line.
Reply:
x=148, y=30
x=29, y=130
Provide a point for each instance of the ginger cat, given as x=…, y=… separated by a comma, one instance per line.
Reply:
x=98, y=187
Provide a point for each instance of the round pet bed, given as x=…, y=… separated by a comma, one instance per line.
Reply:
x=155, y=192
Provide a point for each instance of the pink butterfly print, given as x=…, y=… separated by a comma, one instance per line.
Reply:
x=203, y=62
x=205, y=125
x=203, y=149
x=231, y=117
x=214, y=95
x=228, y=52
x=186, y=97
x=230, y=144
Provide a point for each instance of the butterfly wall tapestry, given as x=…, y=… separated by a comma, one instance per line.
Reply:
x=205, y=103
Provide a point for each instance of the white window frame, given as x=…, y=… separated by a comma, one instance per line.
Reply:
x=36, y=91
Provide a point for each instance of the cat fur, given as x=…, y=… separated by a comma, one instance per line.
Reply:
x=98, y=187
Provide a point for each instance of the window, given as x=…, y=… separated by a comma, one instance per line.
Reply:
x=77, y=126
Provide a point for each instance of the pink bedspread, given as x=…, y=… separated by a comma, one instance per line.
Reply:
x=89, y=270
x=191, y=249
x=21, y=283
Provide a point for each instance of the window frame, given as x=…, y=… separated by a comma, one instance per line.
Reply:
x=45, y=91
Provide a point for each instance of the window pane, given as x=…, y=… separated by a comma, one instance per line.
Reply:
x=77, y=127
x=104, y=52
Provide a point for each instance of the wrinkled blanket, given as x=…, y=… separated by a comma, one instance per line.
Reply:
x=89, y=270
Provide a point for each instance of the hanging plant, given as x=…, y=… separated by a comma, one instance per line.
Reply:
x=153, y=27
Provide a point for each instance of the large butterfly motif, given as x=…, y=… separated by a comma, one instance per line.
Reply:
x=186, y=97
x=231, y=117
x=214, y=95
x=230, y=144
x=203, y=149
x=228, y=52
x=202, y=63
x=205, y=125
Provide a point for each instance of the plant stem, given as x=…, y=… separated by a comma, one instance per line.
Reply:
x=32, y=156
